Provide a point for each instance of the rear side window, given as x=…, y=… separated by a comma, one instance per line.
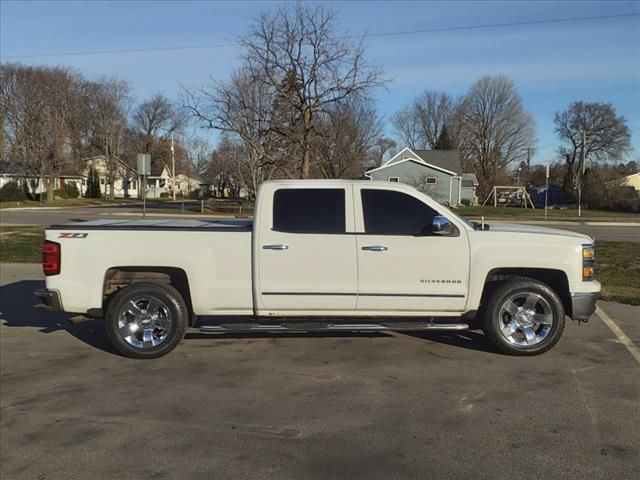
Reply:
x=395, y=213
x=309, y=210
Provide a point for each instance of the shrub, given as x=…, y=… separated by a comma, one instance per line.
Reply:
x=197, y=193
x=72, y=190
x=164, y=195
x=12, y=192
x=60, y=193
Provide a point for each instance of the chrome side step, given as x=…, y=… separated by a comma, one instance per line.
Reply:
x=332, y=327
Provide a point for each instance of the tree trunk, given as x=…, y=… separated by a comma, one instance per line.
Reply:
x=49, y=184
x=306, y=160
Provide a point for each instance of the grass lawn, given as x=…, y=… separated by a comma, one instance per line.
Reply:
x=617, y=265
x=538, y=214
x=69, y=202
x=21, y=244
x=618, y=269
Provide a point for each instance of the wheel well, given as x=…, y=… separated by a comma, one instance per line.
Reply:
x=117, y=278
x=556, y=279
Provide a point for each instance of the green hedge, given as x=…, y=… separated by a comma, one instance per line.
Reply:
x=12, y=192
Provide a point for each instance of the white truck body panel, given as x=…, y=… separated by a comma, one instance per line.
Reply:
x=229, y=271
x=218, y=267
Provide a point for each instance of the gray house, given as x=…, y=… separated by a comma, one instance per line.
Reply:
x=438, y=173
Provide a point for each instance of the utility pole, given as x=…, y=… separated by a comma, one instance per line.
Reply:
x=582, y=170
x=546, y=193
x=173, y=170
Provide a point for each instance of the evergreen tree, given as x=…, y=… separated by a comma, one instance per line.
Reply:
x=444, y=140
x=93, y=184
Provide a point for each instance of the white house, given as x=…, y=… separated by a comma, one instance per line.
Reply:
x=128, y=182
x=9, y=172
x=632, y=180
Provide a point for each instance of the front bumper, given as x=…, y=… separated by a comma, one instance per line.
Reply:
x=583, y=305
x=49, y=300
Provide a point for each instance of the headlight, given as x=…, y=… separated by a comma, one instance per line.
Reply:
x=588, y=259
x=588, y=253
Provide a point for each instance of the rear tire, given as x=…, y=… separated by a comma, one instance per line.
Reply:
x=524, y=317
x=146, y=320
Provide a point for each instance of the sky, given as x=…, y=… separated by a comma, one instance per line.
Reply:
x=552, y=64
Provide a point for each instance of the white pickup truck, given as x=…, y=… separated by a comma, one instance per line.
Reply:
x=321, y=255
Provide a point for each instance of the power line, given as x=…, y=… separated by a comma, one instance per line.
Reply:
x=370, y=35
x=498, y=25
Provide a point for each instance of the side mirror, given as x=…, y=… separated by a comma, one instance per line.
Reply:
x=442, y=226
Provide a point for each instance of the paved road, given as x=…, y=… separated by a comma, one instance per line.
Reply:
x=611, y=233
x=312, y=407
x=63, y=215
x=50, y=217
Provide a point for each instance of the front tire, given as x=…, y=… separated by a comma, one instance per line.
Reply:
x=524, y=317
x=146, y=320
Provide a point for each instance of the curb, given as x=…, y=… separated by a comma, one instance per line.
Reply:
x=173, y=215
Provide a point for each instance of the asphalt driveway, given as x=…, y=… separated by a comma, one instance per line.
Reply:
x=312, y=406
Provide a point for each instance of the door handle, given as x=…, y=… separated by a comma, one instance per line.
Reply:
x=375, y=248
x=277, y=246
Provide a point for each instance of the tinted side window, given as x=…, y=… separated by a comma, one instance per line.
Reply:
x=309, y=210
x=395, y=213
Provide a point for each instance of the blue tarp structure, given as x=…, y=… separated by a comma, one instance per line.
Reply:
x=556, y=196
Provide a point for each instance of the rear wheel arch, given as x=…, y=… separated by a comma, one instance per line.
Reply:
x=118, y=277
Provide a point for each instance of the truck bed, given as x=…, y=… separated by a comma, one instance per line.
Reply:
x=158, y=224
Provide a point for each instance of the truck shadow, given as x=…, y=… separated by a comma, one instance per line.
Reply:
x=468, y=339
x=16, y=310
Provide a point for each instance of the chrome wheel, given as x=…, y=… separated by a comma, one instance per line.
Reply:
x=144, y=322
x=526, y=319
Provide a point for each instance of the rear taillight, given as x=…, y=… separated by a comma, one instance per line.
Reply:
x=50, y=258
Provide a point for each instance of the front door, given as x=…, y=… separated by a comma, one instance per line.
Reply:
x=307, y=261
x=402, y=266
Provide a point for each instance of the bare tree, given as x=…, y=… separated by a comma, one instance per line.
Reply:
x=198, y=152
x=592, y=131
x=43, y=119
x=225, y=167
x=242, y=110
x=297, y=53
x=407, y=127
x=382, y=145
x=347, y=139
x=110, y=100
x=420, y=125
x=295, y=70
x=495, y=130
x=155, y=120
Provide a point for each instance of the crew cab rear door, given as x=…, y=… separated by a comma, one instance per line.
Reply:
x=306, y=262
x=402, y=266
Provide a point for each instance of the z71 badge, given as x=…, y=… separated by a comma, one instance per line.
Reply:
x=73, y=235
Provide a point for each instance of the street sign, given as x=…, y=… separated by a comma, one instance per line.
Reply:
x=144, y=164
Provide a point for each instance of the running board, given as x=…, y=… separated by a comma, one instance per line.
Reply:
x=333, y=327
